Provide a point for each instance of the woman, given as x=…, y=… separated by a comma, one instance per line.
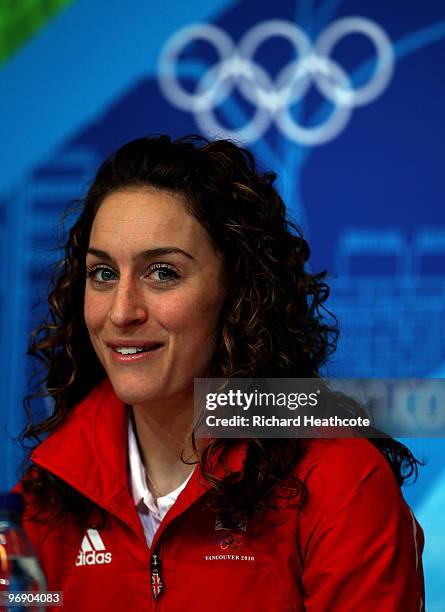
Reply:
x=182, y=265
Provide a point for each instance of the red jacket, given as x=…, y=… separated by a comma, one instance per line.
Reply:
x=353, y=547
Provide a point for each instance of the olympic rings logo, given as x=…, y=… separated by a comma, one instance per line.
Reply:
x=273, y=98
x=229, y=540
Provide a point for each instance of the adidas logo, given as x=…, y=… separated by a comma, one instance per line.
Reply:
x=92, y=550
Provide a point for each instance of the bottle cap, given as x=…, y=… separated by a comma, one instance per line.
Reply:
x=12, y=502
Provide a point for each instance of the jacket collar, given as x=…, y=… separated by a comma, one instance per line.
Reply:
x=89, y=452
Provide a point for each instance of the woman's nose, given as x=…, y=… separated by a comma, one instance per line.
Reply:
x=128, y=306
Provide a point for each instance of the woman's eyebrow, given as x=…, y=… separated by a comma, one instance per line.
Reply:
x=143, y=255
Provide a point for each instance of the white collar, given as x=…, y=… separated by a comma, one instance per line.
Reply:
x=138, y=481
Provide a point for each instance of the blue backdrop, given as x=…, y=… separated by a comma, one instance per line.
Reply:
x=344, y=99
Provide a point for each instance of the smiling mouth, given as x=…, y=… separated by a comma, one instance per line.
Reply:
x=131, y=353
x=132, y=350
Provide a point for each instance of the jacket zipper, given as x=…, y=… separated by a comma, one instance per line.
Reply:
x=157, y=586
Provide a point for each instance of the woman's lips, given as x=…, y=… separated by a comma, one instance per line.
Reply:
x=150, y=349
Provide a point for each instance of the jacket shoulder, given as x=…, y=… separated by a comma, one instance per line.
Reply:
x=352, y=458
x=357, y=538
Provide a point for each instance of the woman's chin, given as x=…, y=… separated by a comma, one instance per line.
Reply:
x=135, y=391
x=132, y=395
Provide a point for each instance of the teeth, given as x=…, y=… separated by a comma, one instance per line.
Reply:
x=129, y=350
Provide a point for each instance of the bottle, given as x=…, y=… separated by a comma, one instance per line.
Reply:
x=19, y=569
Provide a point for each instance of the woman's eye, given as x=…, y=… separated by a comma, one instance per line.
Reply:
x=159, y=273
x=163, y=274
x=101, y=274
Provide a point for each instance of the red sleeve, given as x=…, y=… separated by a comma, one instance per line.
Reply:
x=360, y=544
x=33, y=529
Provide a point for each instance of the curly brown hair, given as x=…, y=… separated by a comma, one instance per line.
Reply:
x=273, y=323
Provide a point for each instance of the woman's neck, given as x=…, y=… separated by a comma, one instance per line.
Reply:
x=163, y=431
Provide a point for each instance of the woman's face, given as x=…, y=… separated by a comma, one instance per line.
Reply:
x=153, y=295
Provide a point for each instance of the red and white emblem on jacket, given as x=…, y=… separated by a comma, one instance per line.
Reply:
x=230, y=529
x=92, y=550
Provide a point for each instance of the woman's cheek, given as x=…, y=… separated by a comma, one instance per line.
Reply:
x=95, y=310
x=181, y=310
